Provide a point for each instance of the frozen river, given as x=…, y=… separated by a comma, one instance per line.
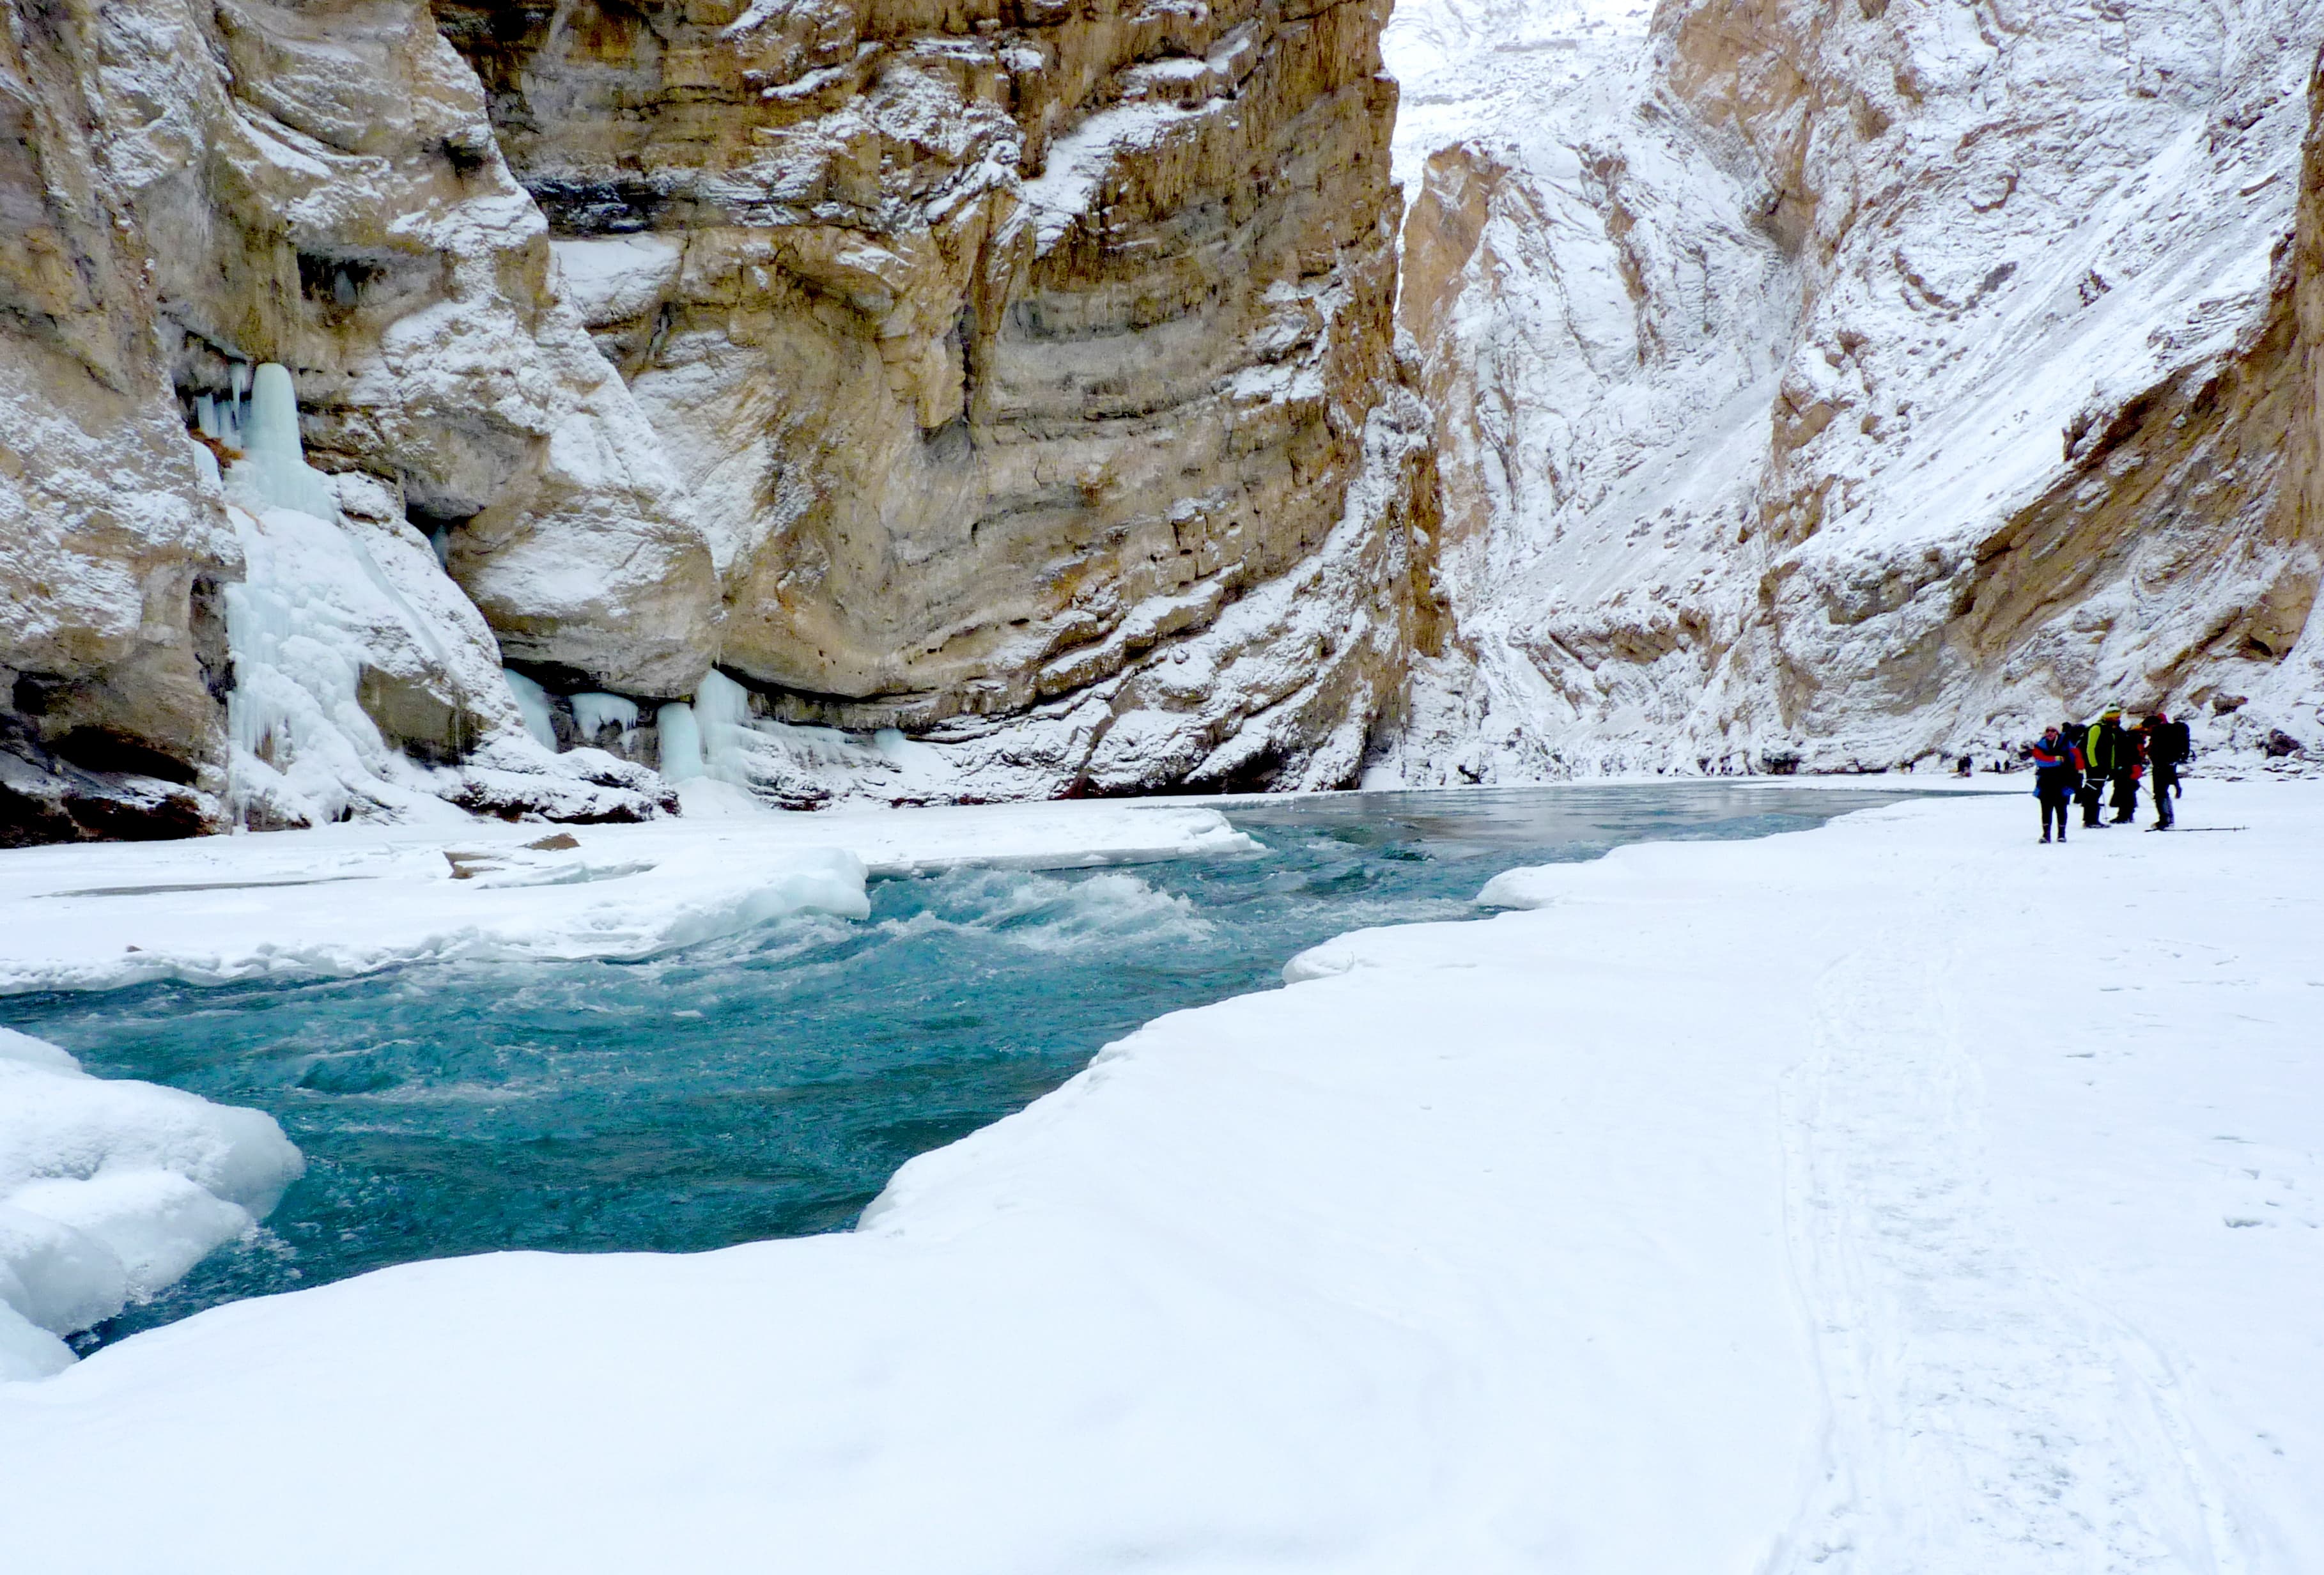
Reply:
x=768, y=1083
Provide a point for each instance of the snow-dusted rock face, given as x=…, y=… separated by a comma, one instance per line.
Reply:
x=1024, y=383
x=1021, y=363
x=193, y=190
x=1838, y=385
x=112, y=637
x=322, y=189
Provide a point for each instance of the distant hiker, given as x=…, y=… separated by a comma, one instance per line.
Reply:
x=2056, y=774
x=2168, y=748
x=2129, y=765
x=2103, y=745
x=2111, y=754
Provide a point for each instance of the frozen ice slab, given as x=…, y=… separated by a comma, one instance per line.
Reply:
x=342, y=899
x=112, y=1190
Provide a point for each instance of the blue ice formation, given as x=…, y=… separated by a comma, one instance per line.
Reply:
x=274, y=472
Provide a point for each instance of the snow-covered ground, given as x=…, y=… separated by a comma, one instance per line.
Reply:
x=1899, y=1195
x=343, y=898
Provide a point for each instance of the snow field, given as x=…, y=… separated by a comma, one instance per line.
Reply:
x=1899, y=1195
x=111, y=1191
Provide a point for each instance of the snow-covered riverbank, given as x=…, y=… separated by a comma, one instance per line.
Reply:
x=1900, y=1194
x=345, y=898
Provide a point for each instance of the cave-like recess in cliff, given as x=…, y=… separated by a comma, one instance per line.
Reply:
x=770, y=1085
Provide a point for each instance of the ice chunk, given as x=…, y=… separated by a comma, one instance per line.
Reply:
x=533, y=701
x=56, y=1123
x=57, y=1277
x=26, y=1350
x=155, y=1223
x=40, y=1053
x=111, y=1190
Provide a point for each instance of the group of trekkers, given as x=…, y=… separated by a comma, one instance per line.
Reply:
x=2078, y=765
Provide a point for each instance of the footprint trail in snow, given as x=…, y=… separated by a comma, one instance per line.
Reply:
x=1981, y=1416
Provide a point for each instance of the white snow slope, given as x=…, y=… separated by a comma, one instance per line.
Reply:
x=1896, y=1196
x=1854, y=382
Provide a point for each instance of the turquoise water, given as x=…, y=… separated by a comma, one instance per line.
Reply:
x=769, y=1085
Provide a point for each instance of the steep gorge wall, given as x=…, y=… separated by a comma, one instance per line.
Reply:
x=203, y=189
x=1948, y=383
x=1024, y=381
x=1001, y=348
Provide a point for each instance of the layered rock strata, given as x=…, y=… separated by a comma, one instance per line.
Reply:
x=1019, y=360
x=1022, y=379
x=1843, y=387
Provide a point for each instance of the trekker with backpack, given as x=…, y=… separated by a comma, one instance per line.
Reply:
x=2168, y=748
x=2129, y=767
x=2057, y=772
x=2109, y=754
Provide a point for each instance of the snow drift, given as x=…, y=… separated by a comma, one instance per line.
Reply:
x=111, y=1191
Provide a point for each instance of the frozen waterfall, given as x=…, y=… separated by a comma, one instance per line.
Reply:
x=274, y=472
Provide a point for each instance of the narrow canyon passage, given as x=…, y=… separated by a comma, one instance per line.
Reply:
x=1832, y=1200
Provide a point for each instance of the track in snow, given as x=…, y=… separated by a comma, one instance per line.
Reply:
x=1980, y=1415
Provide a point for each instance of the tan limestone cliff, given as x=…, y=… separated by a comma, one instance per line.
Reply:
x=1004, y=352
x=205, y=188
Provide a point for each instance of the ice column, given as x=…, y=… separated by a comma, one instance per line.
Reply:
x=533, y=701
x=722, y=712
x=681, y=742
x=274, y=472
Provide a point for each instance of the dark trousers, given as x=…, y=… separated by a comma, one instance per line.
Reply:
x=2087, y=794
x=2166, y=783
x=2125, y=796
x=2054, y=804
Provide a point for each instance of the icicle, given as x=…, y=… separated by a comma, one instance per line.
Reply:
x=681, y=742
x=275, y=472
x=592, y=714
x=206, y=416
x=533, y=701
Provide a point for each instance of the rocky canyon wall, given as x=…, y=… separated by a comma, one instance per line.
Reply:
x=1836, y=386
x=1019, y=379
x=192, y=191
x=1004, y=348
